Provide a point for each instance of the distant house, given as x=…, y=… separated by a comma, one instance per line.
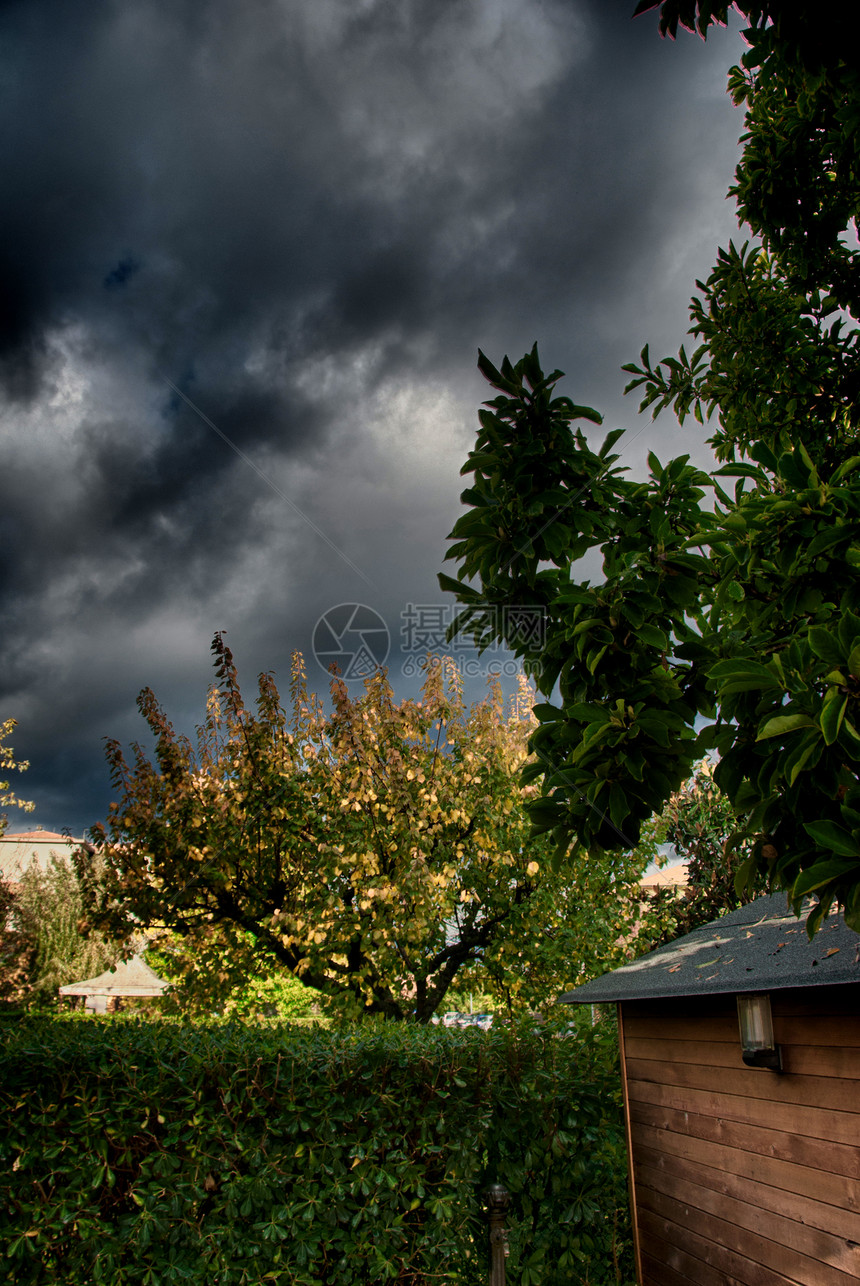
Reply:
x=665, y=877
x=745, y=1164
x=19, y=851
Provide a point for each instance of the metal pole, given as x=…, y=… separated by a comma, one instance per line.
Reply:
x=497, y=1199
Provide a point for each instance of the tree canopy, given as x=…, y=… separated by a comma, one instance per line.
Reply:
x=376, y=852
x=727, y=613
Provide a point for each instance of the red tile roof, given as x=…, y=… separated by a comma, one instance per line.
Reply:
x=50, y=836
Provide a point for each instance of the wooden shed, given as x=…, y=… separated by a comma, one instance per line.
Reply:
x=742, y=1174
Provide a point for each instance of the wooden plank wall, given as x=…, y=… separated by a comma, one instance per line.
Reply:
x=744, y=1177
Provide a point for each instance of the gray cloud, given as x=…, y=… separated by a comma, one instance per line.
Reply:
x=307, y=220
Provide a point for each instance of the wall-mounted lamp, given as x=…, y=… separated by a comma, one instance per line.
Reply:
x=757, y=1044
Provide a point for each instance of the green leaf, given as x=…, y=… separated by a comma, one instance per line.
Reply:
x=833, y=838
x=818, y=913
x=762, y=453
x=743, y=876
x=849, y=738
x=847, y=466
x=594, y=658
x=832, y=714
x=815, y=877
x=739, y=471
x=849, y=631
x=619, y=809
x=853, y=662
x=588, y=413
x=783, y=724
x=654, y=465
x=825, y=645
x=742, y=676
x=798, y=763
x=457, y=587
x=547, y=713
x=653, y=637
x=584, y=712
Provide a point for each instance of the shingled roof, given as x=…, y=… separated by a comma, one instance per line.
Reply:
x=761, y=947
x=130, y=978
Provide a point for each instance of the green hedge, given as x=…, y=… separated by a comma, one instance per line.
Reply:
x=136, y=1152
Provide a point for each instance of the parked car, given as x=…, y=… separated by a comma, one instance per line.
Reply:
x=454, y=1019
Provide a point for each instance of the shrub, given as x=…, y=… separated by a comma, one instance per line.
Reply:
x=271, y=993
x=150, y=1153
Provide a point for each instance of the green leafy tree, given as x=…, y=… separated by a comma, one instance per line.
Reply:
x=41, y=945
x=375, y=853
x=585, y=917
x=700, y=825
x=727, y=617
x=264, y=991
x=45, y=917
x=15, y=951
x=623, y=739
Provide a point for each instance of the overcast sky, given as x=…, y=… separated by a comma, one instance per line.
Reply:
x=249, y=255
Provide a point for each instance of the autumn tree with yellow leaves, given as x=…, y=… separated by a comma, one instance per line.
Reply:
x=8, y=796
x=376, y=852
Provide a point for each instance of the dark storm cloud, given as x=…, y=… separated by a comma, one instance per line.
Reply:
x=306, y=182
x=306, y=218
x=124, y=270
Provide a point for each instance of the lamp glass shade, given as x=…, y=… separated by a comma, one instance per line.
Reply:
x=758, y=1047
x=756, y=1023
